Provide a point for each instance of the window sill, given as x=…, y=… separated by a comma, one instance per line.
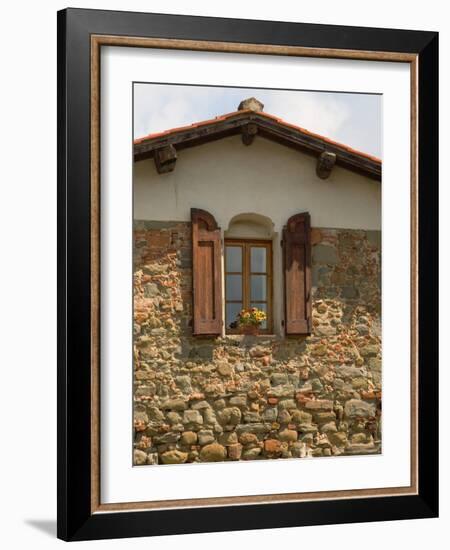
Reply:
x=251, y=337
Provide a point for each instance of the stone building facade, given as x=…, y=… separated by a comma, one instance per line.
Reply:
x=256, y=397
x=306, y=388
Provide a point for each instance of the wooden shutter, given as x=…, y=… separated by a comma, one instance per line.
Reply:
x=206, y=274
x=297, y=274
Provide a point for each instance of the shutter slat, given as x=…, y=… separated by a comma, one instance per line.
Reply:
x=297, y=274
x=206, y=274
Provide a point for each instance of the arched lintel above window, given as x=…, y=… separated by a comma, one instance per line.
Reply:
x=250, y=225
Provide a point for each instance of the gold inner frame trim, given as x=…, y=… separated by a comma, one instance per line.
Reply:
x=97, y=41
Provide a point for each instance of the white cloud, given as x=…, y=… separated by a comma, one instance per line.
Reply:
x=323, y=115
x=160, y=108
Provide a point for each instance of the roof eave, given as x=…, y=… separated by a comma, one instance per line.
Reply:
x=268, y=127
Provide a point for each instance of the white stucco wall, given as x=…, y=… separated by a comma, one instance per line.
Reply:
x=227, y=178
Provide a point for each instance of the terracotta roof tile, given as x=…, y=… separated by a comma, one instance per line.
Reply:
x=280, y=121
x=193, y=125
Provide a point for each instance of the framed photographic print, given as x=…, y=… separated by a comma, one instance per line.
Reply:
x=247, y=274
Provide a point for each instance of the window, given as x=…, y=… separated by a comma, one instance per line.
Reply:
x=248, y=280
x=248, y=276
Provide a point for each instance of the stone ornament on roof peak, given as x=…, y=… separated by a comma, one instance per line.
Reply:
x=251, y=104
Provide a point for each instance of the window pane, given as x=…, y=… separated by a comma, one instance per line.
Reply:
x=231, y=312
x=233, y=287
x=258, y=259
x=258, y=284
x=264, y=308
x=233, y=259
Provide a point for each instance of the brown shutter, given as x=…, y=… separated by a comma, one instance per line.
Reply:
x=206, y=274
x=297, y=274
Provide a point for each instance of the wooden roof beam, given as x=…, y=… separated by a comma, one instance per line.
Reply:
x=325, y=164
x=249, y=132
x=165, y=159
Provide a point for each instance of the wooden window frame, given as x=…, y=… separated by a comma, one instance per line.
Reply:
x=246, y=245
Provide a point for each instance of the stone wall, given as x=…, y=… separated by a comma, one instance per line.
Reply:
x=264, y=397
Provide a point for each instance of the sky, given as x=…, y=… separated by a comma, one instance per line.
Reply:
x=352, y=119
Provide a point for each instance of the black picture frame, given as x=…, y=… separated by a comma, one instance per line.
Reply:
x=75, y=519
